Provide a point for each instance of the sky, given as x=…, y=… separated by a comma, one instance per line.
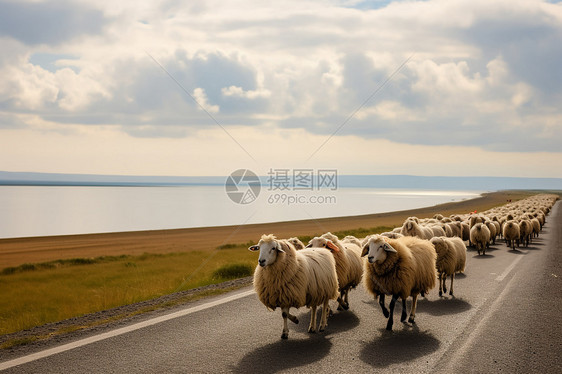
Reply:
x=438, y=87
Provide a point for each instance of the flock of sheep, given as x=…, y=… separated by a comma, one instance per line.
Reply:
x=401, y=263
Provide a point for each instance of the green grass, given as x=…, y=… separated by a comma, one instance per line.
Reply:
x=362, y=232
x=36, y=294
x=233, y=271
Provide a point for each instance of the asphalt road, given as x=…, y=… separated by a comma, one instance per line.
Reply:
x=505, y=318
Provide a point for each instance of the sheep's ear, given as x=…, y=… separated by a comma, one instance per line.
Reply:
x=278, y=247
x=254, y=248
x=365, y=250
x=387, y=247
x=330, y=245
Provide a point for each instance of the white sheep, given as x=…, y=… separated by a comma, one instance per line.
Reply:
x=474, y=219
x=296, y=242
x=511, y=233
x=447, y=230
x=493, y=232
x=349, y=266
x=465, y=236
x=536, y=227
x=498, y=229
x=392, y=234
x=286, y=278
x=399, y=267
x=451, y=259
x=480, y=237
x=456, y=227
x=351, y=239
x=437, y=230
x=413, y=228
x=525, y=231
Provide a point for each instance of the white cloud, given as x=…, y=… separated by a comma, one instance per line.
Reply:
x=484, y=74
x=236, y=91
x=202, y=100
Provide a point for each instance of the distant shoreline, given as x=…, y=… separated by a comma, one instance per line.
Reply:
x=479, y=183
x=17, y=251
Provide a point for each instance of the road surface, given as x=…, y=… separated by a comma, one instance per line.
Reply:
x=505, y=318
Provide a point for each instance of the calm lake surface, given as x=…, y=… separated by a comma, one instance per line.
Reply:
x=60, y=210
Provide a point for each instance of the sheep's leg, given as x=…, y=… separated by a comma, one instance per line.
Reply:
x=404, y=313
x=312, y=326
x=444, y=284
x=390, y=317
x=381, y=303
x=452, y=279
x=324, y=317
x=293, y=318
x=285, y=314
x=440, y=284
x=413, y=312
x=342, y=304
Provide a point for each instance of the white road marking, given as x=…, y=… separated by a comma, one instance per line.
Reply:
x=477, y=330
x=506, y=272
x=477, y=309
x=121, y=331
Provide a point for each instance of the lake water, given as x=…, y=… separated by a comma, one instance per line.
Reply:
x=60, y=210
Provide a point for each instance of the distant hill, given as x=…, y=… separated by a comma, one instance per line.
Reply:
x=52, y=179
x=357, y=181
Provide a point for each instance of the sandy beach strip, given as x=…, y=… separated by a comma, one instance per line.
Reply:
x=17, y=251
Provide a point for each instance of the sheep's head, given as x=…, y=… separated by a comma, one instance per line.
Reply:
x=439, y=244
x=269, y=248
x=296, y=242
x=321, y=242
x=330, y=236
x=376, y=249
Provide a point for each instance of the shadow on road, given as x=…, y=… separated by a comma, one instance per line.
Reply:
x=483, y=257
x=340, y=321
x=517, y=251
x=284, y=354
x=444, y=306
x=301, y=352
x=398, y=347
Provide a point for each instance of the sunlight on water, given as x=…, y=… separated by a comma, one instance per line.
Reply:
x=60, y=210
